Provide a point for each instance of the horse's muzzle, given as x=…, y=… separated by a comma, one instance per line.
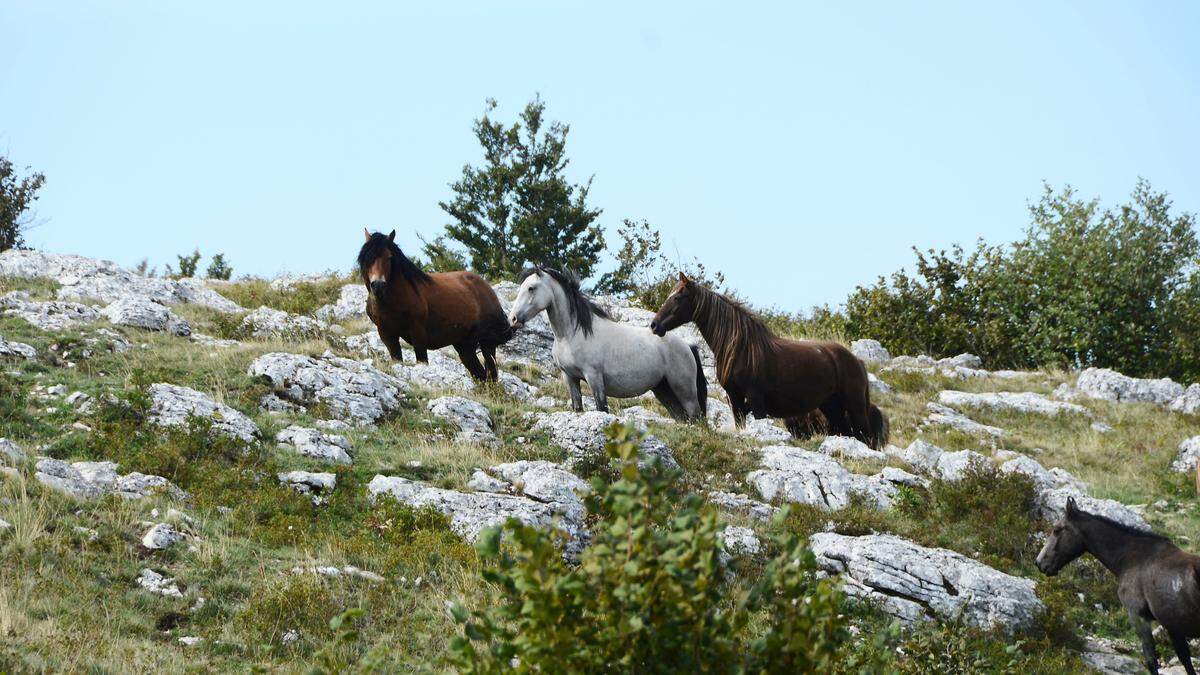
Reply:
x=657, y=329
x=516, y=321
x=378, y=287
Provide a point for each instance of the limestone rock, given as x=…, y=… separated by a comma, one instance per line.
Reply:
x=743, y=504
x=11, y=453
x=798, y=476
x=720, y=415
x=445, y=371
x=913, y=582
x=870, y=352
x=849, y=448
x=351, y=304
x=1022, y=402
x=920, y=454
x=583, y=436
x=353, y=390
x=318, y=485
x=161, y=536
x=266, y=322
x=53, y=315
x=1185, y=461
x=141, y=312
x=764, y=430
x=1109, y=385
x=739, y=541
x=18, y=350
x=316, y=444
x=1189, y=401
x=877, y=385
x=172, y=406
x=471, y=418
x=158, y=584
x=954, y=465
x=941, y=415
x=91, y=480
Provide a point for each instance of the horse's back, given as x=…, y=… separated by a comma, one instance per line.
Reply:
x=466, y=288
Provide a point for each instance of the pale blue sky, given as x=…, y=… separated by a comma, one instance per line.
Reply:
x=801, y=148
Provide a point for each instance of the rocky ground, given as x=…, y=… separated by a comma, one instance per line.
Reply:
x=198, y=476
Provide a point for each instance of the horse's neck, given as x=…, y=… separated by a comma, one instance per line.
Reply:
x=704, y=323
x=1116, y=549
x=560, y=316
x=404, y=299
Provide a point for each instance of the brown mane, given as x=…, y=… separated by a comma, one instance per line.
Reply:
x=733, y=332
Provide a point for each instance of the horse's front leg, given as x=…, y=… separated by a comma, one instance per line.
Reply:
x=737, y=403
x=572, y=383
x=758, y=403
x=392, y=342
x=1183, y=651
x=1146, y=634
x=421, y=354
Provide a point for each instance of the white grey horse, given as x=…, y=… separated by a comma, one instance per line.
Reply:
x=616, y=359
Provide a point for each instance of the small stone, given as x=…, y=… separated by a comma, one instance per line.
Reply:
x=156, y=583
x=161, y=536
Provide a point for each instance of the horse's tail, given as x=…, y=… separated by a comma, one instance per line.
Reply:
x=879, y=426
x=701, y=383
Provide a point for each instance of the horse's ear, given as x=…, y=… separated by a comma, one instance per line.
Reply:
x=683, y=279
x=367, y=234
x=1072, y=508
x=392, y=236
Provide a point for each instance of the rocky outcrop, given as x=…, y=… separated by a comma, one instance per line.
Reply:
x=1021, y=402
x=351, y=304
x=11, y=453
x=920, y=454
x=1189, y=455
x=539, y=480
x=52, y=315
x=162, y=536
x=877, y=385
x=353, y=390
x=319, y=486
x=764, y=430
x=534, y=341
x=849, y=448
x=1053, y=487
x=1109, y=385
x=720, y=415
x=799, y=476
x=91, y=480
x=956, y=465
x=1189, y=401
x=471, y=512
x=16, y=350
x=315, y=444
x=81, y=277
x=582, y=436
x=141, y=312
x=269, y=323
x=959, y=367
x=912, y=582
x=173, y=406
x=940, y=415
x=470, y=418
x=445, y=371
x=739, y=541
x=870, y=352
x=743, y=504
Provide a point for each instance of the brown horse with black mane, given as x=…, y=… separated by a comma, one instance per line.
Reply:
x=431, y=311
x=774, y=377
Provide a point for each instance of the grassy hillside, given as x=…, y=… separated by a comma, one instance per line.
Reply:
x=68, y=600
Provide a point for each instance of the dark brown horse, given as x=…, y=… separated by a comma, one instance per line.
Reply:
x=772, y=376
x=1156, y=581
x=431, y=311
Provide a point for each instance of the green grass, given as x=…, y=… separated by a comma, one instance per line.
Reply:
x=68, y=602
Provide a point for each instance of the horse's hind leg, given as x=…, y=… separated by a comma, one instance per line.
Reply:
x=1183, y=651
x=489, y=361
x=835, y=418
x=666, y=396
x=466, y=352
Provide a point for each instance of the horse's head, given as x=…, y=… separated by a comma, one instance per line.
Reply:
x=1064, y=544
x=678, y=309
x=375, y=260
x=534, y=296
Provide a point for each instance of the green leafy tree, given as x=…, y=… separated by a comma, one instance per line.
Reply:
x=16, y=196
x=218, y=268
x=187, y=265
x=518, y=206
x=646, y=276
x=440, y=255
x=648, y=595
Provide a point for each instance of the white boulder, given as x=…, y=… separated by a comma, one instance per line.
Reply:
x=1109, y=385
x=353, y=390
x=471, y=418
x=583, y=437
x=870, y=352
x=315, y=443
x=351, y=304
x=173, y=406
x=1022, y=402
x=267, y=322
x=139, y=311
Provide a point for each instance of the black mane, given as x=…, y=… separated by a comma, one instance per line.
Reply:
x=376, y=245
x=1121, y=527
x=579, y=305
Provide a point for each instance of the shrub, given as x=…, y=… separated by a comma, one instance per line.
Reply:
x=187, y=265
x=648, y=595
x=218, y=268
x=16, y=196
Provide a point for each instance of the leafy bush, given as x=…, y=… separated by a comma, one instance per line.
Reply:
x=644, y=274
x=648, y=595
x=218, y=268
x=1085, y=286
x=16, y=196
x=187, y=265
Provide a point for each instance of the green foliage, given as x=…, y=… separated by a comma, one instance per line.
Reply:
x=440, y=256
x=16, y=196
x=187, y=265
x=644, y=274
x=218, y=268
x=519, y=207
x=331, y=660
x=1085, y=286
x=648, y=595
x=301, y=298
